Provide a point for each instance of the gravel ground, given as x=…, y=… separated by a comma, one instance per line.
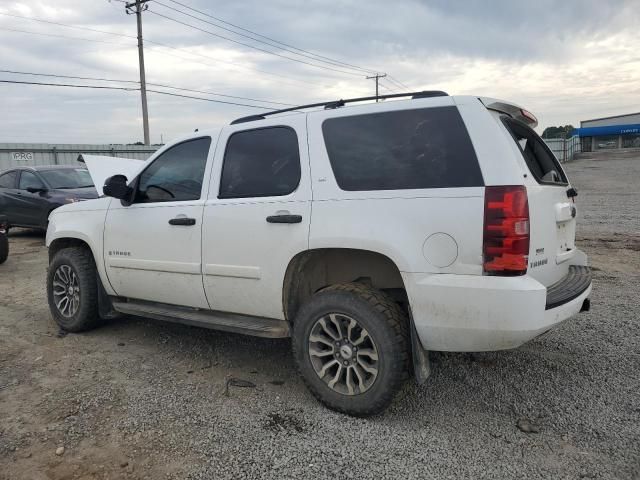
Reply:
x=142, y=399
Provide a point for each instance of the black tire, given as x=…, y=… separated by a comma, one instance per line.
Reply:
x=4, y=247
x=385, y=323
x=80, y=262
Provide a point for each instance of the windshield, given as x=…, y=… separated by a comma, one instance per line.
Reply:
x=67, y=178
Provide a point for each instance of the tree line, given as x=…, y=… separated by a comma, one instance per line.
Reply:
x=558, y=132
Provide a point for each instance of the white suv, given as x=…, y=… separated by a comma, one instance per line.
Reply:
x=370, y=234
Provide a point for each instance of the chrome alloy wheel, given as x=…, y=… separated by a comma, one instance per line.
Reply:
x=343, y=354
x=66, y=291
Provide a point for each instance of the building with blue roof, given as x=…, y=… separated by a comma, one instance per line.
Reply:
x=620, y=131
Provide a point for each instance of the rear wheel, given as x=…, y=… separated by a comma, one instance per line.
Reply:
x=350, y=344
x=72, y=289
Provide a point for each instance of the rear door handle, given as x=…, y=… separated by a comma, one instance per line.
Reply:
x=284, y=218
x=185, y=221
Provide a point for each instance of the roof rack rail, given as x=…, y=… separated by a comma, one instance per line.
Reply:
x=340, y=103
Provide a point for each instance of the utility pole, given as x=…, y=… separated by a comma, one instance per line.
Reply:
x=377, y=76
x=137, y=7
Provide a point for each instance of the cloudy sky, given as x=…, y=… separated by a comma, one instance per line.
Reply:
x=564, y=60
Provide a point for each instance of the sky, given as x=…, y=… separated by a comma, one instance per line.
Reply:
x=565, y=61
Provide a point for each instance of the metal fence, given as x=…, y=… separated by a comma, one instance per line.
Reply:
x=21, y=154
x=564, y=148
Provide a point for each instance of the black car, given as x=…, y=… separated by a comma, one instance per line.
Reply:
x=4, y=241
x=29, y=194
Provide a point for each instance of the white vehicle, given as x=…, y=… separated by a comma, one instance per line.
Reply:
x=370, y=234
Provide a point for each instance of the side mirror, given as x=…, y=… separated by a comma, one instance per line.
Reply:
x=117, y=187
x=36, y=189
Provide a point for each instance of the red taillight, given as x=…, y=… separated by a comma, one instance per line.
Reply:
x=505, y=244
x=529, y=116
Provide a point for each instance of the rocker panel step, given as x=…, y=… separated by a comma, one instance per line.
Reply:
x=228, y=322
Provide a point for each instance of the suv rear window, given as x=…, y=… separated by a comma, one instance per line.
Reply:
x=423, y=148
x=542, y=164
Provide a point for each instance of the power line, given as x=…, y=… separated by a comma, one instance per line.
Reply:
x=391, y=78
x=276, y=43
x=67, y=76
x=163, y=45
x=388, y=89
x=213, y=58
x=398, y=82
x=76, y=27
x=207, y=99
x=159, y=44
x=289, y=79
x=220, y=94
x=22, y=82
x=391, y=86
x=149, y=83
x=130, y=90
x=252, y=46
x=305, y=54
x=68, y=26
x=270, y=38
x=64, y=36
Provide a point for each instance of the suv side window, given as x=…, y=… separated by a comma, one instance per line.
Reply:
x=8, y=180
x=176, y=175
x=29, y=179
x=261, y=163
x=542, y=164
x=422, y=148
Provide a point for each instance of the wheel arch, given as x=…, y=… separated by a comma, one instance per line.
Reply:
x=58, y=240
x=59, y=243
x=312, y=270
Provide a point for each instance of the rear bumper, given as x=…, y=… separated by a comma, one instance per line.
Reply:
x=569, y=288
x=470, y=313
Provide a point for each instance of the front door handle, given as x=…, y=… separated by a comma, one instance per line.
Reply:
x=185, y=221
x=284, y=218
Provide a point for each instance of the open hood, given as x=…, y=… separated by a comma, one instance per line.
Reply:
x=102, y=167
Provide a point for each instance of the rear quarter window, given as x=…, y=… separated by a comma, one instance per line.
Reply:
x=540, y=160
x=406, y=149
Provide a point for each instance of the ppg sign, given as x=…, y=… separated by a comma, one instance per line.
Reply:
x=22, y=156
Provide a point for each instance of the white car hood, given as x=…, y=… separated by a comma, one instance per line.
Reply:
x=102, y=167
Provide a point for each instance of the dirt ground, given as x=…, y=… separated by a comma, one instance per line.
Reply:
x=141, y=399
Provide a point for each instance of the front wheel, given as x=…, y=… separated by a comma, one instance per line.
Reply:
x=72, y=289
x=351, y=347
